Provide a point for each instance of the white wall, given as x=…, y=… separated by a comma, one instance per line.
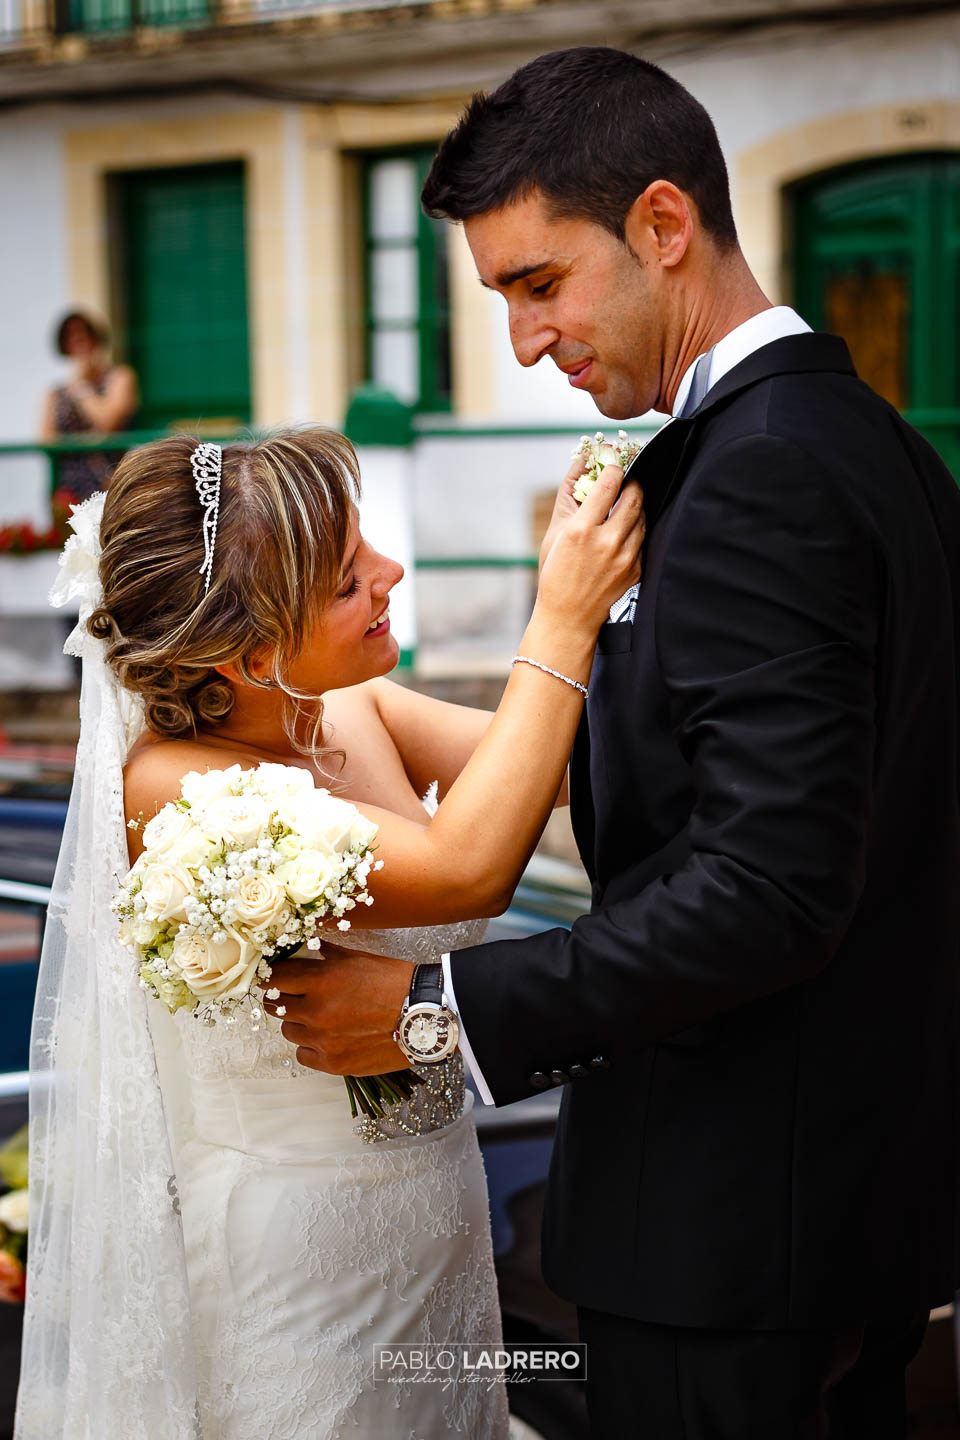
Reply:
x=33, y=292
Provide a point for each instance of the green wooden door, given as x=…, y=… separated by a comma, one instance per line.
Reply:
x=183, y=306
x=877, y=254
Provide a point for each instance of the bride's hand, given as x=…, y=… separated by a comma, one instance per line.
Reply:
x=564, y=507
x=595, y=555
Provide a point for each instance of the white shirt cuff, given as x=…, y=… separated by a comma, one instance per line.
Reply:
x=450, y=997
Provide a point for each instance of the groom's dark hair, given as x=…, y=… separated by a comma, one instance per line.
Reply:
x=590, y=128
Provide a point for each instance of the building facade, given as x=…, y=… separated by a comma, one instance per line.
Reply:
x=233, y=183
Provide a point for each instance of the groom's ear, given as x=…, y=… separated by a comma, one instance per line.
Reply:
x=659, y=224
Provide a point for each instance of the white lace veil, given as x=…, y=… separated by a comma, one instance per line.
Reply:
x=107, y=1348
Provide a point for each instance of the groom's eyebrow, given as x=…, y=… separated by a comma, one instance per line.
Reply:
x=506, y=278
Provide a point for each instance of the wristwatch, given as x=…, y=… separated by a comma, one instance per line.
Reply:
x=428, y=1030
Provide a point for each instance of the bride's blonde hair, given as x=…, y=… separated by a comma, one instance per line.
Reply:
x=285, y=512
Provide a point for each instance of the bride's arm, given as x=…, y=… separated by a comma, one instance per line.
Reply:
x=433, y=738
x=467, y=860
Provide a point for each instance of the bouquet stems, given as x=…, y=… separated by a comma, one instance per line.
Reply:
x=371, y=1094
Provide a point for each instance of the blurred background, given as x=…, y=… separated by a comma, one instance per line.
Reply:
x=210, y=222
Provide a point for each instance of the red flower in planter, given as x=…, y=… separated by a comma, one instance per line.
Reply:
x=23, y=538
x=13, y=1280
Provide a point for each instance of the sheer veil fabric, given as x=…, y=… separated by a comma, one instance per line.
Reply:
x=107, y=1346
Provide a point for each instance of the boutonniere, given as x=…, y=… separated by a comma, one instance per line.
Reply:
x=599, y=452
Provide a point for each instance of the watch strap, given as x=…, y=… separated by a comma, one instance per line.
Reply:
x=426, y=987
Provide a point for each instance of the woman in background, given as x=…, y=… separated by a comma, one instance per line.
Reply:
x=99, y=398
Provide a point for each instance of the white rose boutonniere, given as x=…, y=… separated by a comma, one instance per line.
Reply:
x=599, y=452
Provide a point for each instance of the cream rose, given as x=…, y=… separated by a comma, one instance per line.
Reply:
x=363, y=833
x=201, y=790
x=259, y=900
x=215, y=970
x=305, y=878
x=162, y=832
x=237, y=820
x=15, y=1210
x=164, y=888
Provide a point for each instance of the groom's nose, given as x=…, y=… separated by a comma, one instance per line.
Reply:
x=530, y=334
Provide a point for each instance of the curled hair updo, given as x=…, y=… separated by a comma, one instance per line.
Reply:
x=285, y=513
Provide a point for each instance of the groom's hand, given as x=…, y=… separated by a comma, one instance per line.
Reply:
x=341, y=1009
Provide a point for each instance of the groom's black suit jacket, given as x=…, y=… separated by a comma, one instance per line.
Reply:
x=765, y=795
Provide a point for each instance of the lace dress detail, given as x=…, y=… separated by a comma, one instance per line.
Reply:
x=307, y=1247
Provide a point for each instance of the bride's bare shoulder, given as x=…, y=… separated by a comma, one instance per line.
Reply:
x=155, y=768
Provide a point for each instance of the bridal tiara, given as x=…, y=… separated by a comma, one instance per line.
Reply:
x=207, y=464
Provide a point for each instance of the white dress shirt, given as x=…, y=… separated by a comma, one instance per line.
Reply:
x=735, y=346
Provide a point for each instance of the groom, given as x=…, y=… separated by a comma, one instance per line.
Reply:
x=753, y=1197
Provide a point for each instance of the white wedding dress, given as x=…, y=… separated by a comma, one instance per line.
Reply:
x=306, y=1246
x=213, y=1252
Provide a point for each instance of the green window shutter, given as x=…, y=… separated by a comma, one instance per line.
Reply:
x=96, y=16
x=182, y=267
x=877, y=249
x=407, y=315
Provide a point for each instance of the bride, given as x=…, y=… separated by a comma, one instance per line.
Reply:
x=215, y=1251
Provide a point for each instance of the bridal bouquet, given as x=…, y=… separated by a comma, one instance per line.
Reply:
x=598, y=453
x=246, y=864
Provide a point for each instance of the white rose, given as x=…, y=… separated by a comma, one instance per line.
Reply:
x=363, y=833
x=14, y=1210
x=164, y=830
x=288, y=847
x=127, y=931
x=201, y=790
x=260, y=900
x=164, y=888
x=146, y=933
x=272, y=781
x=322, y=822
x=215, y=970
x=191, y=848
x=305, y=878
x=238, y=820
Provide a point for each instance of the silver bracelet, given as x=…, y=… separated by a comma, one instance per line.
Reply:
x=525, y=660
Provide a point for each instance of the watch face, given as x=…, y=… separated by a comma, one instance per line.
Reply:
x=429, y=1033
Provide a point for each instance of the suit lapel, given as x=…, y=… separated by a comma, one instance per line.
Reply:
x=660, y=467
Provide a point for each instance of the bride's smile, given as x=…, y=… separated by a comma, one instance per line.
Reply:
x=351, y=640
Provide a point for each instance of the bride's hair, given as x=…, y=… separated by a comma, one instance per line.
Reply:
x=285, y=511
